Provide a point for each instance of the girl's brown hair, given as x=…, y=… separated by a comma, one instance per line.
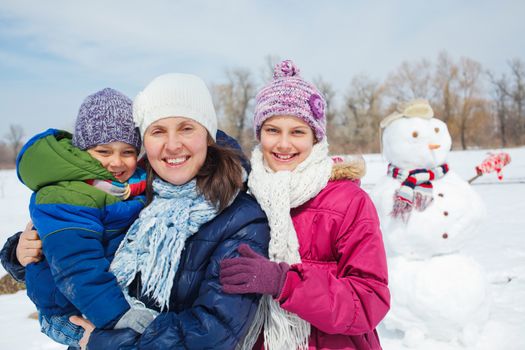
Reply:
x=219, y=179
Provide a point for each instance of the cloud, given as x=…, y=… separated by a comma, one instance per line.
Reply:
x=124, y=36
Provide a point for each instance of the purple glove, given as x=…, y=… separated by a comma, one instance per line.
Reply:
x=252, y=273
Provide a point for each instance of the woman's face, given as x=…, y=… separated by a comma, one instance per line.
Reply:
x=285, y=142
x=176, y=148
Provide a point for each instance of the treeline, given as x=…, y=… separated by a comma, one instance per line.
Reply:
x=481, y=108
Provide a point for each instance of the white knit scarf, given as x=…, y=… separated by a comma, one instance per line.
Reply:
x=277, y=193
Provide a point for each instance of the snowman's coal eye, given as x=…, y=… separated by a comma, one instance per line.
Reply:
x=415, y=134
x=436, y=130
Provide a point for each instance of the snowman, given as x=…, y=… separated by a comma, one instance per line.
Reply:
x=427, y=214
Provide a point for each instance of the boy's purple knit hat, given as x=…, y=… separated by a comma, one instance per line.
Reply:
x=289, y=94
x=105, y=116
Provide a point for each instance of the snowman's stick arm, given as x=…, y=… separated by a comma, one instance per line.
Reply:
x=474, y=178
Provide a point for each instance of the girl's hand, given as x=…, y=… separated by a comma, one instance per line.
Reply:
x=29, y=248
x=88, y=328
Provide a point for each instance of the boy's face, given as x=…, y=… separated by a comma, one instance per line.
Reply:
x=119, y=158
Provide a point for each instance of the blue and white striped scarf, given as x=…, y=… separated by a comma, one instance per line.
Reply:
x=154, y=243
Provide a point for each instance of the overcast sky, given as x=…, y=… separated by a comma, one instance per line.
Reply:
x=55, y=53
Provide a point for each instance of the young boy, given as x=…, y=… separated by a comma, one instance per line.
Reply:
x=86, y=195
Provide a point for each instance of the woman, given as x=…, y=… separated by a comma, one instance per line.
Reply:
x=197, y=216
x=325, y=284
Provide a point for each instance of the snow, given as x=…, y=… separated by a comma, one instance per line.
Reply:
x=499, y=248
x=18, y=331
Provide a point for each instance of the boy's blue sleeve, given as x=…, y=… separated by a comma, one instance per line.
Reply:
x=72, y=240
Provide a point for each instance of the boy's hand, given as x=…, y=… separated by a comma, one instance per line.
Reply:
x=88, y=329
x=29, y=248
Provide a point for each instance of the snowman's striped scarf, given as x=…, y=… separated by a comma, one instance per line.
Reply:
x=416, y=188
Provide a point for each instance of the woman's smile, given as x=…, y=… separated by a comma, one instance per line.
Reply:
x=178, y=161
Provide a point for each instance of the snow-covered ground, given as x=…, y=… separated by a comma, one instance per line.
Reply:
x=499, y=248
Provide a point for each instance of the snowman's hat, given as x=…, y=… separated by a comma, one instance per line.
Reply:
x=418, y=108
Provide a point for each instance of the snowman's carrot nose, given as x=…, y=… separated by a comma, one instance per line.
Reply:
x=433, y=146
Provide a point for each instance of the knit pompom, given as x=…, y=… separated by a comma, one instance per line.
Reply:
x=285, y=68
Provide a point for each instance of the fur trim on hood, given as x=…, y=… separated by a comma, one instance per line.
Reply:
x=348, y=167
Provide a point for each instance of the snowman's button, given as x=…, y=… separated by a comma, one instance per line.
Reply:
x=445, y=213
x=441, y=195
x=445, y=235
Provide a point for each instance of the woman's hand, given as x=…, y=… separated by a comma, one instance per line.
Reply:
x=252, y=273
x=88, y=328
x=29, y=248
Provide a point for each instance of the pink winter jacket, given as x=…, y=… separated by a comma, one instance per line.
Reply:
x=341, y=286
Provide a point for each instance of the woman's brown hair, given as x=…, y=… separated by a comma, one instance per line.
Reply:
x=219, y=179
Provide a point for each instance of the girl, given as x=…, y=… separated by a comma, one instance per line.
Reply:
x=325, y=284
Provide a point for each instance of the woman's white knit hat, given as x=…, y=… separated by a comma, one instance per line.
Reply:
x=175, y=95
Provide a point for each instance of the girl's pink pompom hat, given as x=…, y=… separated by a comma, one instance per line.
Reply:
x=289, y=94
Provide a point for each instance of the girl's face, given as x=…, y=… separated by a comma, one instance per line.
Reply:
x=176, y=148
x=119, y=158
x=285, y=142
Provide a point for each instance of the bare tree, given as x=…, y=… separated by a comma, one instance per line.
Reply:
x=445, y=78
x=411, y=80
x=361, y=115
x=267, y=69
x=500, y=92
x=233, y=101
x=5, y=156
x=327, y=90
x=15, y=139
x=517, y=95
x=508, y=93
x=468, y=89
x=482, y=128
x=457, y=97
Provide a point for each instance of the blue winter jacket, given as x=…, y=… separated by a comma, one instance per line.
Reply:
x=80, y=227
x=201, y=316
